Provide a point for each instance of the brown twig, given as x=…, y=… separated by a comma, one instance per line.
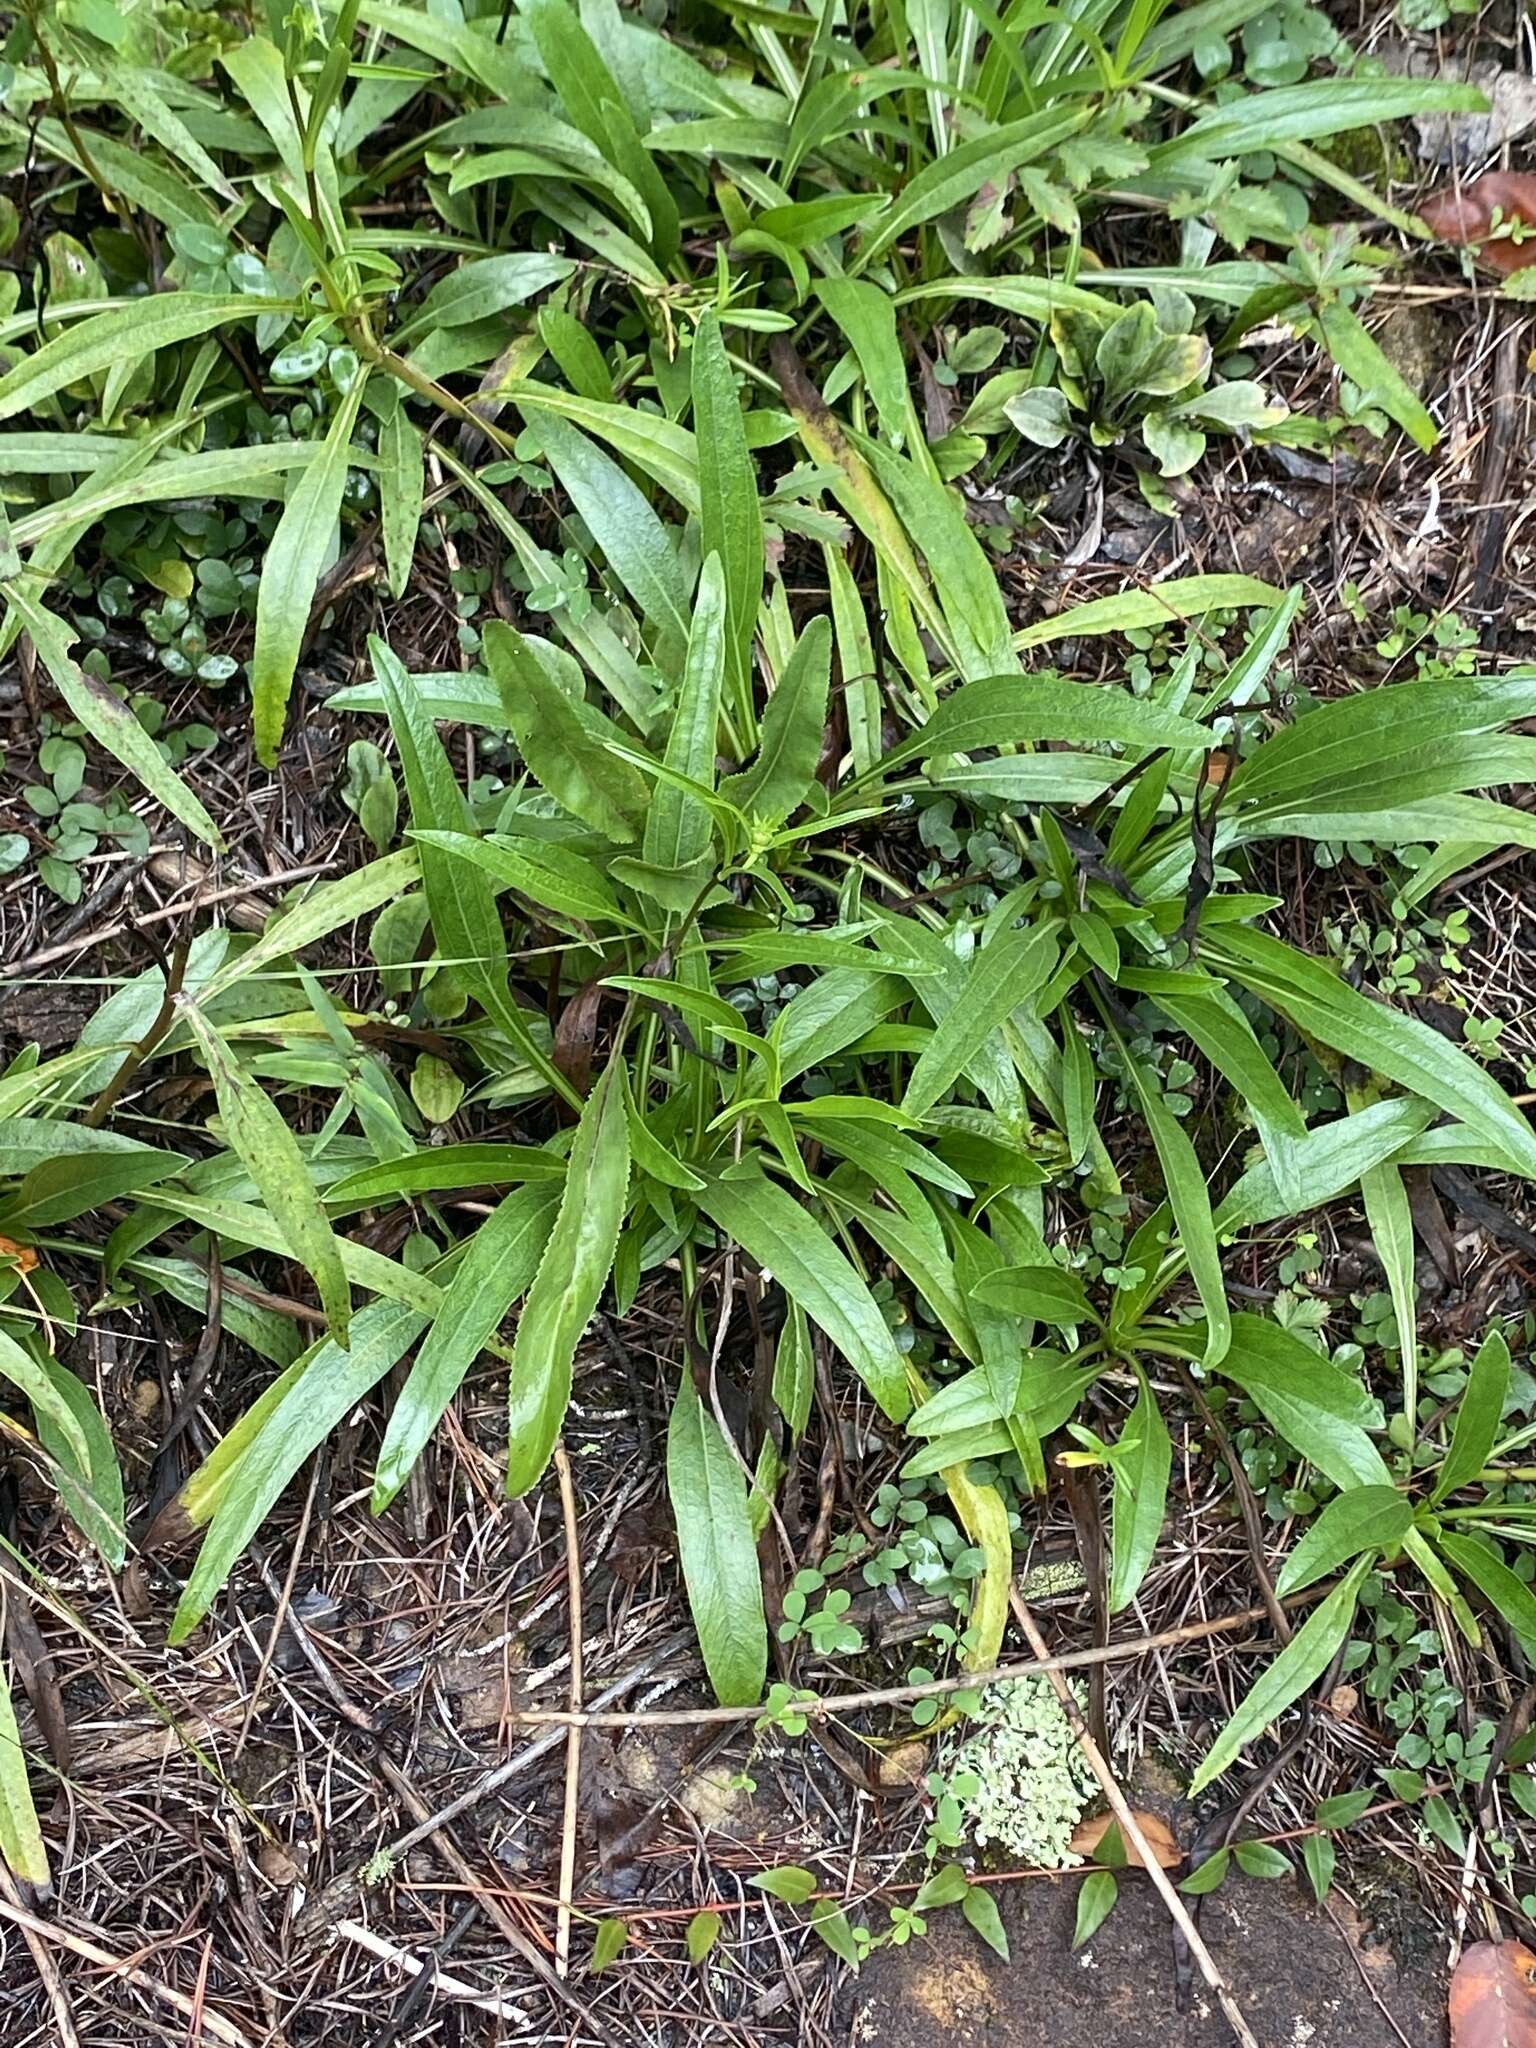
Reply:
x=283, y=1601
x=235, y=890
x=443, y=1983
x=1130, y=1827
x=904, y=1695
x=1248, y=1506
x=484, y=1895
x=573, y=1738
x=213, y=2023
x=47, y=1969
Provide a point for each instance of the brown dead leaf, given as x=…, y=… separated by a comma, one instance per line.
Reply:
x=134, y=1591
x=1493, y=1997
x=1465, y=214
x=278, y=1863
x=1088, y=1834
x=22, y=1256
x=906, y=1764
x=576, y=1034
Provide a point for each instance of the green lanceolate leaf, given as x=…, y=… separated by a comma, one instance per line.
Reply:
x=730, y=517
x=962, y=572
x=1140, y=1495
x=571, y=1276
x=708, y=1489
x=794, y=1372
x=1510, y=1597
x=297, y=1413
x=465, y=920
x=1203, y=1011
x=772, y=1228
x=1096, y=1896
x=1391, y=1224
x=1384, y=1041
x=1004, y=711
x=572, y=764
x=793, y=728
x=595, y=103
x=678, y=828
x=57, y=1190
x=502, y=1259
x=639, y=549
x=402, y=485
x=327, y=907
x=854, y=485
x=1181, y=597
x=489, y=286
x=1478, y=1414
x=1002, y=977
x=1303, y=1660
x=867, y=318
x=21, y=1839
x=91, y=1487
x=295, y=559
x=1320, y=1410
x=551, y=877
x=126, y=334
x=955, y=178
x=259, y=1133
x=1189, y=1197
x=444, y=1167
x=1311, y=112
x=23, y=1371
x=1379, y=382
x=107, y=719
x=1046, y=1294
x=1364, y=1518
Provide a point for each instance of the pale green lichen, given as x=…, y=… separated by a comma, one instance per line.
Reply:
x=1020, y=1775
x=1050, y=1580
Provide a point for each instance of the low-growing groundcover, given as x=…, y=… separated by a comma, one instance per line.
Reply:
x=745, y=914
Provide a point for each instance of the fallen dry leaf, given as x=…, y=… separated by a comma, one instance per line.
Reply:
x=1465, y=215
x=278, y=1863
x=1463, y=138
x=1493, y=1997
x=907, y=1764
x=1088, y=1834
x=21, y=1255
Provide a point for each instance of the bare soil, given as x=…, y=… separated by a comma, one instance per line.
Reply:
x=1305, y=1978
